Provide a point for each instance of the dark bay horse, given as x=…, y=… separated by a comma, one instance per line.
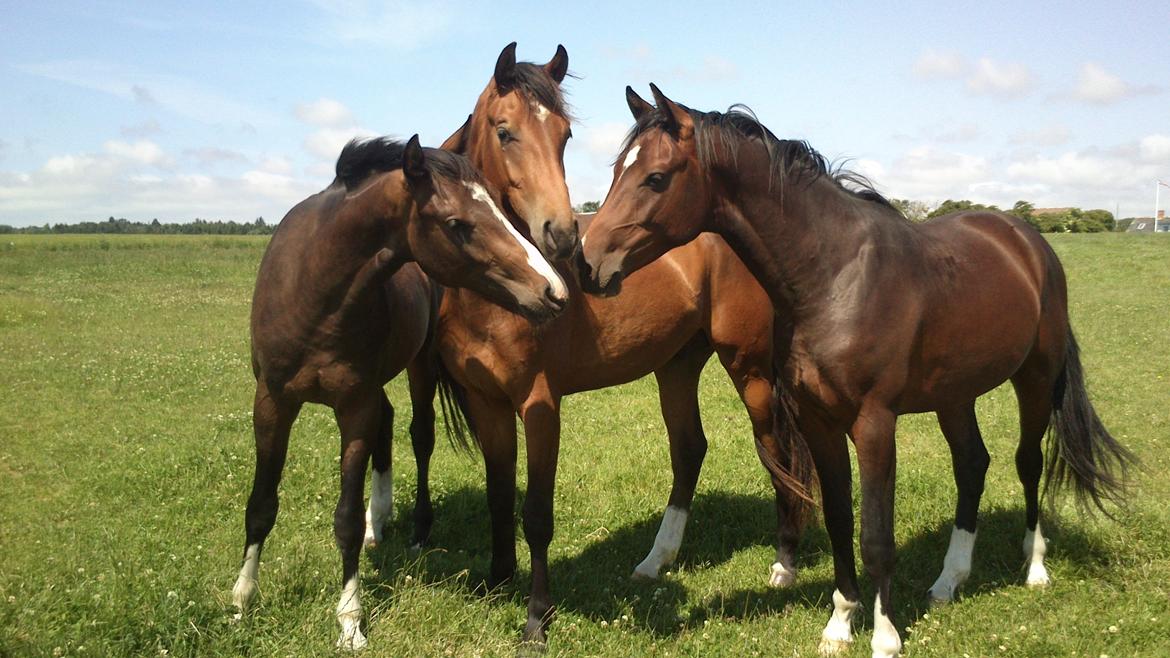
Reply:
x=696, y=301
x=883, y=317
x=341, y=306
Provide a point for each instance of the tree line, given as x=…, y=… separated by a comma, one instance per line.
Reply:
x=122, y=226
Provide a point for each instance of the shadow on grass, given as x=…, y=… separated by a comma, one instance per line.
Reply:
x=595, y=582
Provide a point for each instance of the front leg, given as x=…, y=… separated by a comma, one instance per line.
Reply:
x=873, y=435
x=542, y=430
x=495, y=427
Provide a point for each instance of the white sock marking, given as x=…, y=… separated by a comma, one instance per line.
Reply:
x=783, y=572
x=885, y=643
x=349, y=615
x=381, y=506
x=247, y=582
x=956, y=566
x=838, y=633
x=666, y=543
x=535, y=260
x=1035, y=548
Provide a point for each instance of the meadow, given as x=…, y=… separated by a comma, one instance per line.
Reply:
x=126, y=459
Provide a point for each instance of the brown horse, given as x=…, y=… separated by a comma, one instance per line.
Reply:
x=340, y=308
x=887, y=317
x=696, y=301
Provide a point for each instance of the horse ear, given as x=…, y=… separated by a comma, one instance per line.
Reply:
x=638, y=106
x=677, y=119
x=506, y=66
x=414, y=163
x=457, y=142
x=558, y=66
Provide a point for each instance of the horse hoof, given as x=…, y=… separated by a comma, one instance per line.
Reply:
x=781, y=577
x=531, y=649
x=643, y=575
x=829, y=647
x=352, y=641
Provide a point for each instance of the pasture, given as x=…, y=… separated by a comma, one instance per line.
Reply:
x=126, y=459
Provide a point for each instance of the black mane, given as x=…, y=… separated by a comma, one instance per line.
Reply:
x=362, y=158
x=790, y=159
x=536, y=84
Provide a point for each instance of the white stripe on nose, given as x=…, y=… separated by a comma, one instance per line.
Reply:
x=535, y=260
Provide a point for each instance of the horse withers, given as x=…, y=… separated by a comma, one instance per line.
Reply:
x=342, y=305
x=887, y=317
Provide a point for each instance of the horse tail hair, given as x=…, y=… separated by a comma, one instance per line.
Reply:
x=794, y=472
x=457, y=421
x=1080, y=451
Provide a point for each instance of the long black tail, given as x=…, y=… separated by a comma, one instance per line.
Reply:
x=1081, y=452
x=797, y=476
x=457, y=421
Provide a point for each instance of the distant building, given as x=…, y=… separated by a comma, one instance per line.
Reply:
x=1050, y=211
x=1146, y=224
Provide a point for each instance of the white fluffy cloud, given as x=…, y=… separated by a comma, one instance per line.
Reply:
x=1004, y=79
x=939, y=64
x=324, y=112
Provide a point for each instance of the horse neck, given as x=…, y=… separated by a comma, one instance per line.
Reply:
x=796, y=236
x=361, y=224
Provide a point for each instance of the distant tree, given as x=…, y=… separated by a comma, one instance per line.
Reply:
x=915, y=211
x=588, y=206
x=950, y=206
x=1102, y=218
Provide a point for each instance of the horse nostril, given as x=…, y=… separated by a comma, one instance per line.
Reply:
x=557, y=303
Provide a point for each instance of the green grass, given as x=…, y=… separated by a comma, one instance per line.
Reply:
x=125, y=461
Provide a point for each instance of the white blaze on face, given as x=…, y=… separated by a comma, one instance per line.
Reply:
x=631, y=158
x=541, y=111
x=535, y=260
x=666, y=543
x=956, y=566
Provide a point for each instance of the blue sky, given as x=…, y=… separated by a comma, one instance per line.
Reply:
x=235, y=110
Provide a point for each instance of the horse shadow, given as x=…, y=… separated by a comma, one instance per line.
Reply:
x=595, y=583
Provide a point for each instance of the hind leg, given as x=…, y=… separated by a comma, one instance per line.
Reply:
x=678, y=394
x=752, y=374
x=1034, y=394
x=969, y=460
x=381, y=507
x=272, y=419
x=423, y=381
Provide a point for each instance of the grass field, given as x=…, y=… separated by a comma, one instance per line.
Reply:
x=126, y=458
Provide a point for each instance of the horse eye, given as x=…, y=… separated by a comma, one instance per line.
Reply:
x=504, y=135
x=460, y=230
x=656, y=182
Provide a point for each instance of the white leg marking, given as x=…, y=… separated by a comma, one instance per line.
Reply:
x=381, y=507
x=886, y=643
x=349, y=615
x=956, y=566
x=246, y=582
x=666, y=543
x=783, y=572
x=838, y=633
x=1035, y=548
x=535, y=260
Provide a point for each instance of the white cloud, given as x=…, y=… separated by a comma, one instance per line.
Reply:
x=142, y=129
x=1004, y=79
x=1155, y=148
x=172, y=93
x=324, y=112
x=326, y=143
x=1052, y=135
x=1098, y=86
x=602, y=142
x=402, y=24
x=141, y=152
x=939, y=64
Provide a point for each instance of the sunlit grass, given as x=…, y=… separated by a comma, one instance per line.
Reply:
x=126, y=456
